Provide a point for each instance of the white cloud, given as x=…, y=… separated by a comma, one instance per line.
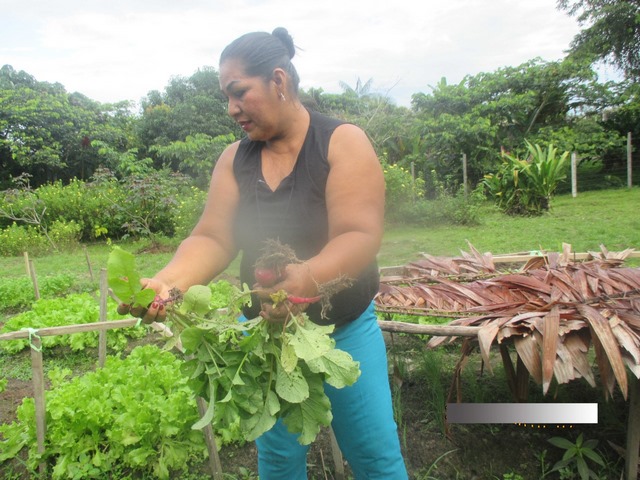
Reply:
x=121, y=50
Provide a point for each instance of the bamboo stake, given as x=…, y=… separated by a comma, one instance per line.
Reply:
x=34, y=279
x=38, y=394
x=102, y=338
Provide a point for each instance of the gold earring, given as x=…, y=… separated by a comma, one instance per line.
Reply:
x=282, y=97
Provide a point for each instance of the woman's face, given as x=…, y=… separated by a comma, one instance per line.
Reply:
x=253, y=102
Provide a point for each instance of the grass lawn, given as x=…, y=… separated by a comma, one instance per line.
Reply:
x=608, y=218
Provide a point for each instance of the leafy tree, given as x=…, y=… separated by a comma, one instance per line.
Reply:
x=196, y=156
x=46, y=132
x=612, y=32
x=493, y=112
x=387, y=125
x=188, y=106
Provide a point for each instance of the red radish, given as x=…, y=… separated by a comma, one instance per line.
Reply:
x=123, y=308
x=298, y=300
x=265, y=277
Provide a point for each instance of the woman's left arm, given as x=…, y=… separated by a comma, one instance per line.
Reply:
x=355, y=203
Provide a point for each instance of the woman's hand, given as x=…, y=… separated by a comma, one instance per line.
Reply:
x=156, y=311
x=298, y=283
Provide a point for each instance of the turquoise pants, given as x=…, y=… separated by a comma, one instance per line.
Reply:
x=362, y=416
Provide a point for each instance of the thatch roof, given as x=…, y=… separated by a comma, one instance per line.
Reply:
x=552, y=310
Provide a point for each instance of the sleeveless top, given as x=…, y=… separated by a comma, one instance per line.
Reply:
x=295, y=214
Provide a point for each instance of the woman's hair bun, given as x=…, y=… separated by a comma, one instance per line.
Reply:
x=282, y=34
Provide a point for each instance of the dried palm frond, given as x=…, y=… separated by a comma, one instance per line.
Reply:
x=552, y=313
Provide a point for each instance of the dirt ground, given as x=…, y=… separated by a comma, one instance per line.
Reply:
x=431, y=449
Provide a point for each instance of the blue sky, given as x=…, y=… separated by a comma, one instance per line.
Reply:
x=121, y=49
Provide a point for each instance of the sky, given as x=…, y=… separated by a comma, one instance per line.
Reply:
x=114, y=50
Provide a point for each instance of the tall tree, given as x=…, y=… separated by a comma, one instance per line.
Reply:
x=611, y=33
x=187, y=107
x=47, y=133
x=490, y=112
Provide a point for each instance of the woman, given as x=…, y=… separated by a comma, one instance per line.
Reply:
x=314, y=184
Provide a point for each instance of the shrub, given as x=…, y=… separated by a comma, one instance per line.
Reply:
x=445, y=207
x=402, y=191
x=90, y=205
x=525, y=187
x=187, y=211
x=16, y=239
x=65, y=235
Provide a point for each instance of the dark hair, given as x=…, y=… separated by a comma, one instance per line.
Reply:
x=262, y=52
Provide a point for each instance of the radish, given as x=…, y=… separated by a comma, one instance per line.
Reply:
x=266, y=277
x=299, y=300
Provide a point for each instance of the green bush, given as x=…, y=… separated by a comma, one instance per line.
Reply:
x=65, y=235
x=16, y=239
x=407, y=206
x=525, y=186
x=89, y=204
x=187, y=211
x=401, y=188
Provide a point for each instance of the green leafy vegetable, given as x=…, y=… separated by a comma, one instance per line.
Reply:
x=124, y=279
x=252, y=373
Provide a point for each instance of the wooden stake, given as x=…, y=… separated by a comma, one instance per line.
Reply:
x=633, y=429
x=337, y=456
x=214, y=459
x=629, y=161
x=440, y=330
x=26, y=263
x=34, y=279
x=102, y=337
x=574, y=175
x=86, y=255
x=37, y=374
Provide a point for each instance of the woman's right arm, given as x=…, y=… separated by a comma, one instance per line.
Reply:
x=210, y=247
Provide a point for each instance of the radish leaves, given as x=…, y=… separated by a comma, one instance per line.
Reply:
x=255, y=372
x=124, y=279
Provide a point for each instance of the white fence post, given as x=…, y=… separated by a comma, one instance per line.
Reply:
x=574, y=175
x=629, y=162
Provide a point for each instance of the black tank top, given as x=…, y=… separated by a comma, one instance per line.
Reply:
x=295, y=214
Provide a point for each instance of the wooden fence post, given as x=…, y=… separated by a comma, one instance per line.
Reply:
x=464, y=175
x=26, y=263
x=633, y=429
x=629, y=161
x=574, y=174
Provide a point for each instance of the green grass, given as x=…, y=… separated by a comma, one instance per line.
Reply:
x=608, y=218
